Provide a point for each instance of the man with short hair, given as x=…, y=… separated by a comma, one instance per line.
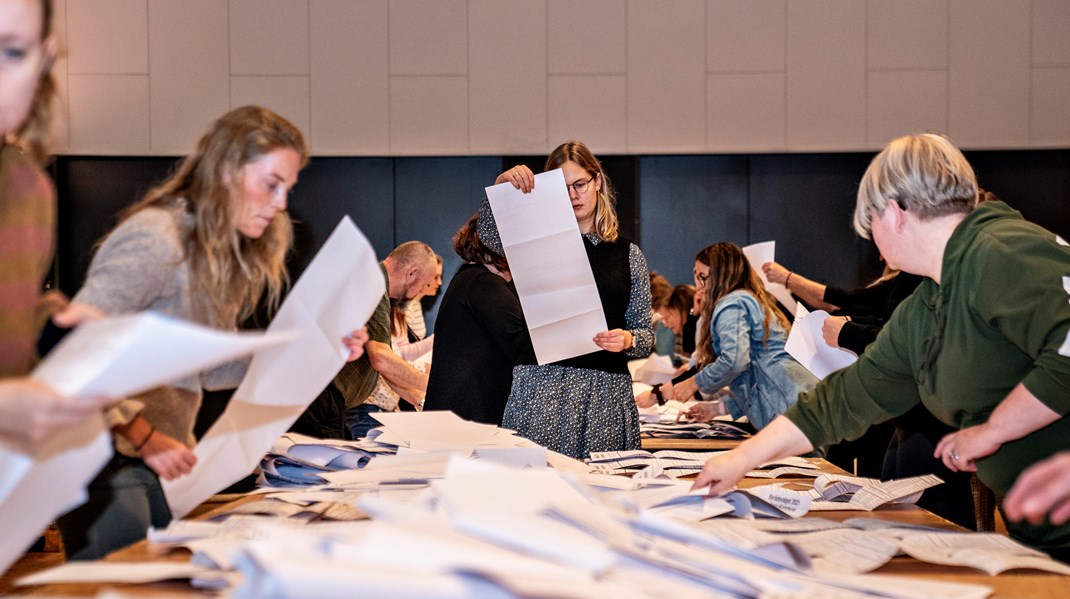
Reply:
x=355, y=393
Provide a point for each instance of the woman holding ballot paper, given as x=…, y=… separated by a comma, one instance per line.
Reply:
x=585, y=404
x=984, y=341
x=207, y=245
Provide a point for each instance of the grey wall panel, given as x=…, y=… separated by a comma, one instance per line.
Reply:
x=435, y=196
x=804, y=203
x=689, y=202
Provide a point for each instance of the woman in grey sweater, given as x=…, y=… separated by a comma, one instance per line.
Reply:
x=207, y=246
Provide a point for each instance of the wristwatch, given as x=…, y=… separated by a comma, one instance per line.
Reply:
x=656, y=391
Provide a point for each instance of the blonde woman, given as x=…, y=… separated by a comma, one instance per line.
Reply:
x=585, y=404
x=207, y=245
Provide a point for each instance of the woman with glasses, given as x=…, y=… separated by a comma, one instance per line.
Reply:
x=983, y=343
x=741, y=344
x=585, y=404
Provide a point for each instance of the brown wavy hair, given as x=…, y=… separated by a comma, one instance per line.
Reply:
x=468, y=246
x=605, y=209
x=230, y=273
x=33, y=134
x=729, y=271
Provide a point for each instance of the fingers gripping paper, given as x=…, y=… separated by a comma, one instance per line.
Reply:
x=336, y=294
x=549, y=266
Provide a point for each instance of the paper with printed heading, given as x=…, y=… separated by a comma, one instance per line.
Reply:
x=550, y=267
x=335, y=295
x=758, y=254
x=807, y=345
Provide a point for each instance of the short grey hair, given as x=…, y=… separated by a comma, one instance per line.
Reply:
x=925, y=173
x=414, y=253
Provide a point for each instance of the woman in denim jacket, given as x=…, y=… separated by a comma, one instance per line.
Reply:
x=743, y=347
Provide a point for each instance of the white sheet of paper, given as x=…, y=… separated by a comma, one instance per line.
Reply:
x=335, y=295
x=116, y=357
x=123, y=355
x=806, y=344
x=758, y=254
x=550, y=267
x=653, y=370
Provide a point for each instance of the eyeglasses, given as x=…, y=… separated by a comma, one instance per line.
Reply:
x=581, y=186
x=702, y=278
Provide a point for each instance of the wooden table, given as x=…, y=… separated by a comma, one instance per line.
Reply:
x=1036, y=585
x=658, y=444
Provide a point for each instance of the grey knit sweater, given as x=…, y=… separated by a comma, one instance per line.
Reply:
x=141, y=266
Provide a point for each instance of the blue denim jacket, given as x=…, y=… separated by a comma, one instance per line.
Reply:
x=764, y=379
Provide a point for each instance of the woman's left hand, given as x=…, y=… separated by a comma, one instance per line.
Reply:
x=685, y=390
x=616, y=340
x=355, y=343
x=960, y=450
x=830, y=330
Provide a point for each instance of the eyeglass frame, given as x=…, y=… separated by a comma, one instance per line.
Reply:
x=585, y=183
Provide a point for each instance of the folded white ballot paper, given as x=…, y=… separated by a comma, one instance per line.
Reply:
x=335, y=295
x=113, y=357
x=550, y=267
x=807, y=345
x=758, y=254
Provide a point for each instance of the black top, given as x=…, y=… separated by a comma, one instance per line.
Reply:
x=869, y=308
x=479, y=336
x=613, y=276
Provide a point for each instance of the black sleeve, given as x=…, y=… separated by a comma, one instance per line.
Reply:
x=497, y=309
x=855, y=336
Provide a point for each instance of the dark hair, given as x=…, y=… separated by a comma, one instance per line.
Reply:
x=471, y=249
x=660, y=290
x=680, y=300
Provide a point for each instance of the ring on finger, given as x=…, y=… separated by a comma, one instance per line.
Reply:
x=954, y=456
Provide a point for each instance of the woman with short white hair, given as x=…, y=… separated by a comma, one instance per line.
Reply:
x=983, y=342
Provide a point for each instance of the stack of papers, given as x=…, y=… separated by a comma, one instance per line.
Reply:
x=834, y=492
x=693, y=430
x=298, y=460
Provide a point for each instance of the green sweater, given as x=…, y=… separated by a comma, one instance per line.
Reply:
x=1000, y=317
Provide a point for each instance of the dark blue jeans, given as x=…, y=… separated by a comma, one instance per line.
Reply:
x=359, y=420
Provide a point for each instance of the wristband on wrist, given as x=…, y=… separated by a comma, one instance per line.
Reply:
x=697, y=396
x=787, y=279
x=658, y=395
x=152, y=431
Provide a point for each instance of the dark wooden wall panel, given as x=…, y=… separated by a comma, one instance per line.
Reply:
x=689, y=202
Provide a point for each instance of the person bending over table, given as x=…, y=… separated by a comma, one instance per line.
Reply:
x=206, y=245
x=742, y=342
x=980, y=342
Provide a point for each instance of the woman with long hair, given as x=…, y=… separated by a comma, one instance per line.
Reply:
x=741, y=344
x=207, y=245
x=585, y=404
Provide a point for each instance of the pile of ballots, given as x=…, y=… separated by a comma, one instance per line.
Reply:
x=298, y=460
x=717, y=429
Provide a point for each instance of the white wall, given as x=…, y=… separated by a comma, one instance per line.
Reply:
x=461, y=77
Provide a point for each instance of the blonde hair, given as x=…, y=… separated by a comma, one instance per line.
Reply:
x=729, y=271
x=924, y=173
x=33, y=135
x=229, y=272
x=605, y=211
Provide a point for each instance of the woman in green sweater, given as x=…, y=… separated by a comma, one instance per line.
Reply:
x=983, y=342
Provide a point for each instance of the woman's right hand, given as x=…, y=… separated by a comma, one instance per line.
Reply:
x=722, y=472
x=168, y=457
x=645, y=399
x=520, y=176
x=775, y=273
